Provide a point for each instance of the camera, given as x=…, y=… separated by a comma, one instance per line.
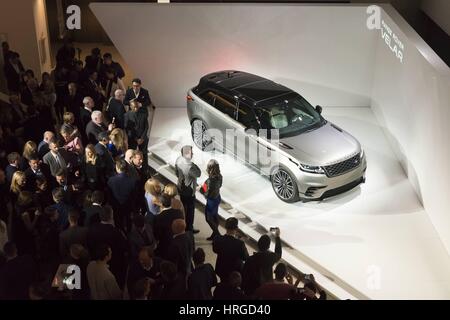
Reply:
x=274, y=229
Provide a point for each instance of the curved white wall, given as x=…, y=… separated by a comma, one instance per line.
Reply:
x=324, y=52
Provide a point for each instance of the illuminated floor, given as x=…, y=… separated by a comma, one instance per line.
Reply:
x=376, y=238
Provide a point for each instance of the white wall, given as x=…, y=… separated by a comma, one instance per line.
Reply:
x=42, y=34
x=412, y=101
x=17, y=21
x=439, y=11
x=324, y=52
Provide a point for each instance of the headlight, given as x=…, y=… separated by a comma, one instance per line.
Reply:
x=311, y=169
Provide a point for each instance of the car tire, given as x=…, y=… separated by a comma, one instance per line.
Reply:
x=200, y=135
x=284, y=185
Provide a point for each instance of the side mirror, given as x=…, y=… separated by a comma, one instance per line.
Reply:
x=319, y=109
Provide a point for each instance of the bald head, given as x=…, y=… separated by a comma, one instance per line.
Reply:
x=48, y=135
x=119, y=95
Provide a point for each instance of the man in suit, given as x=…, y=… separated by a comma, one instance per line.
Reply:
x=231, y=252
x=163, y=225
x=122, y=189
x=13, y=166
x=94, y=90
x=139, y=94
x=74, y=234
x=187, y=173
x=43, y=147
x=92, y=212
x=55, y=158
x=109, y=63
x=85, y=113
x=181, y=247
x=106, y=233
x=141, y=235
x=202, y=279
x=13, y=71
x=104, y=154
x=74, y=102
x=95, y=126
x=116, y=109
x=258, y=267
x=36, y=169
x=16, y=275
x=146, y=265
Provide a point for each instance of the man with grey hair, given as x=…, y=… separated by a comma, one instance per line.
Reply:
x=85, y=113
x=43, y=146
x=95, y=126
x=187, y=173
x=116, y=109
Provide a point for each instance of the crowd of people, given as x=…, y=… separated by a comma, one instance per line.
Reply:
x=76, y=189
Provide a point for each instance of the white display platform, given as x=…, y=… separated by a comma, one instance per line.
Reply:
x=376, y=238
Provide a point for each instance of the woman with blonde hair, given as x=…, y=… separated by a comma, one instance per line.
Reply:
x=29, y=149
x=18, y=183
x=211, y=191
x=92, y=169
x=152, y=192
x=118, y=142
x=171, y=190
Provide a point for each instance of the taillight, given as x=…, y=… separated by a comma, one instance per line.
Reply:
x=189, y=98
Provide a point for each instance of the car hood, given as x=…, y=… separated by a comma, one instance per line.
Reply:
x=323, y=146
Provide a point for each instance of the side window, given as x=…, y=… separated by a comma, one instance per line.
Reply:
x=208, y=96
x=226, y=105
x=246, y=116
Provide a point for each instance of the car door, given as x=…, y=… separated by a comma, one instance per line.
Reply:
x=223, y=121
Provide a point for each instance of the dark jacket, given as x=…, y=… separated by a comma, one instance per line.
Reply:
x=9, y=171
x=85, y=118
x=163, y=229
x=136, y=124
x=212, y=186
x=143, y=98
x=70, y=236
x=201, y=281
x=92, y=215
x=180, y=252
x=43, y=171
x=139, y=239
x=137, y=272
x=106, y=158
x=231, y=254
x=116, y=110
x=92, y=131
x=109, y=235
x=225, y=292
x=122, y=188
x=258, y=268
x=15, y=278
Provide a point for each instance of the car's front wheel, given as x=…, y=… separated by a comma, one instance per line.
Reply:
x=200, y=135
x=285, y=185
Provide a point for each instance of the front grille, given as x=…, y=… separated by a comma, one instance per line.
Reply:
x=340, y=168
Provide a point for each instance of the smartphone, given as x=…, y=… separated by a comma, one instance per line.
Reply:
x=113, y=120
x=273, y=229
x=307, y=277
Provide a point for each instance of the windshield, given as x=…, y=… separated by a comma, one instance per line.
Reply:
x=290, y=116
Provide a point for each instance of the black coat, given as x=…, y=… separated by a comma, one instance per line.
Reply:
x=136, y=124
x=92, y=215
x=92, y=131
x=9, y=171
x=15, y=278
x=116, y=110
x=163, y=229
x=231, y=254
x=44, y=171
x=137, y=272
x=258, y=268
x=109, y=235
x=74, y=104
x=70, y=236
x=143, y=98
x=201, y=281
x=85, y=118
x=122, y=188
x=180, y=252
x=106, y=158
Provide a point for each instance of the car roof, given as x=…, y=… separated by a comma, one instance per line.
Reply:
x=248, y=86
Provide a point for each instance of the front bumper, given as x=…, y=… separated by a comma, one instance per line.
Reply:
x=319, y=186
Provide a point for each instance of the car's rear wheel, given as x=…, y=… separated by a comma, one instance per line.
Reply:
x=284, y=185
x=200, y=135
